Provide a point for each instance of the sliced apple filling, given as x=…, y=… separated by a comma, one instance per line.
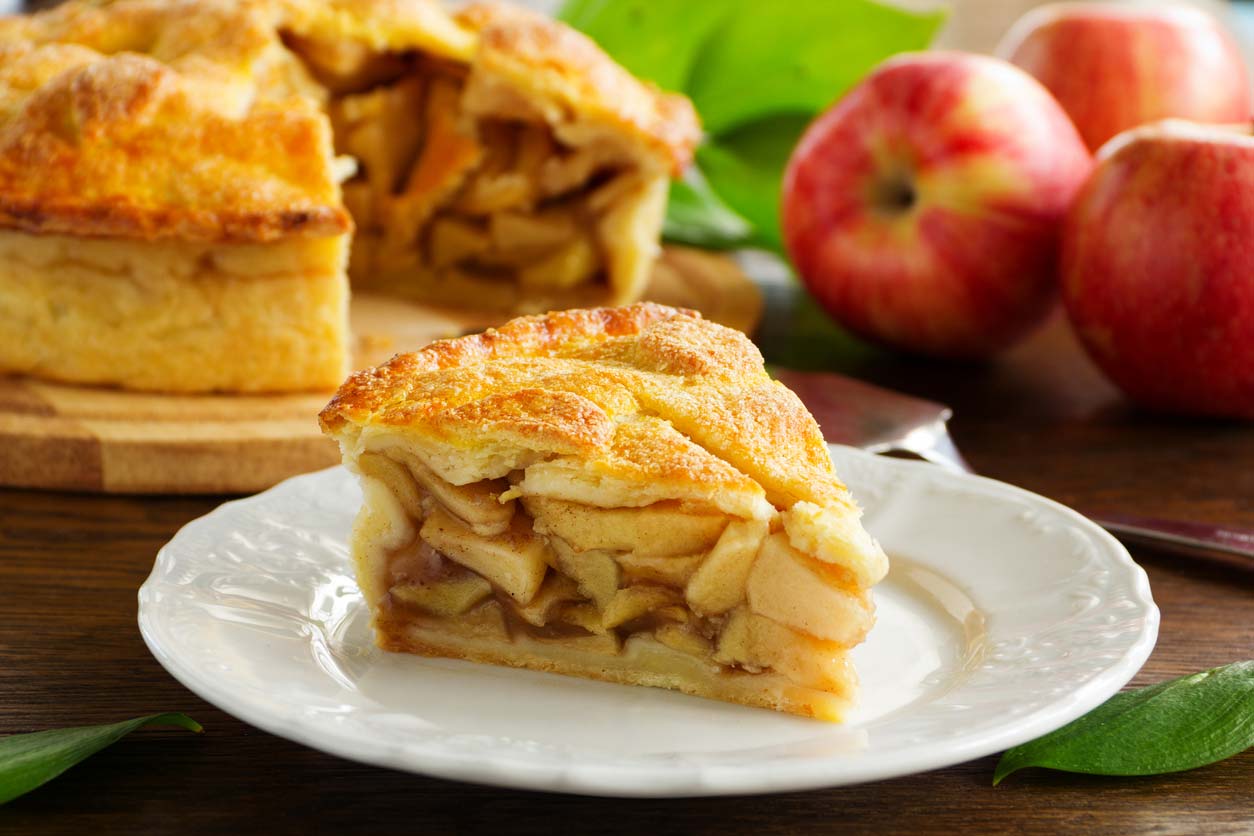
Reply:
x=621, y=494
x=466, y=192
x=568, y=583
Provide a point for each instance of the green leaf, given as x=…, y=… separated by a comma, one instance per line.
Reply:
x=748, y=166
x=697, y=216
x=29, y=760
x=757, y=75
x=1170, y=727
x=656, y=41
x=796, y=57
x=805, y=338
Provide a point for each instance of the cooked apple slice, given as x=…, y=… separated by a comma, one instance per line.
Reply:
x=586, y=616
x=594, y=571
x=517, y=232
x=561, y=174
x=719, y=583
x=555, y=591
x=449, y=153
x=681, y=638
x=388, y=528
x=477, y=504
x=378, y=129
x=533, y=145
x=755, y=642
x=452, y=240
x=636, y=601
x=488, y=193
x=396, y=478
x=571, y=265
x=486, y=621
x=786, y=586
x=359, y=201
x=670, y=571
x=661, y=529
x=445, y=597
x=515, y=561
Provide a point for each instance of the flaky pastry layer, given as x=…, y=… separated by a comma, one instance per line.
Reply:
x=174, y=316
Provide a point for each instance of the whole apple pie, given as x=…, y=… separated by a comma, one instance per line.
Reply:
x=179, y=180
x=614, y=493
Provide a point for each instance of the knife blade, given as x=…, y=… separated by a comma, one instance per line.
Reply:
x=876, y=419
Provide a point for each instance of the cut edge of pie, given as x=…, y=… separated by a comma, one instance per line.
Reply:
x=620, y=494
x=197, y=167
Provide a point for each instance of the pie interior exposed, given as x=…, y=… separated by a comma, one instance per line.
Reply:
x=179, y=179
x=615, y=493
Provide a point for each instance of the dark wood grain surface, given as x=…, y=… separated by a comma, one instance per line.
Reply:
x=1041, y=418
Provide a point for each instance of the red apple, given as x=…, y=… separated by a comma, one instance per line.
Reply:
x=1158, y=267
x=1114, y=67
x=922, y=210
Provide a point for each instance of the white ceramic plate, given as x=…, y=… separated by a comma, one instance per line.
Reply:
x=1005, y=615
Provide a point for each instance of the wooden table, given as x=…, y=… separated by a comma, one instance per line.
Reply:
x=70, y=652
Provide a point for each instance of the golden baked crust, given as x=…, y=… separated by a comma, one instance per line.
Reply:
x=124, y=144
x=617, y=493
x=566, y=381
x=191, y=119
x=370, y=390
x=565, y=67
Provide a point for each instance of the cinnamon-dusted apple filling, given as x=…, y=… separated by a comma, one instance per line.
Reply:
x=503, y=178
x=621, y=494
x=486, y=203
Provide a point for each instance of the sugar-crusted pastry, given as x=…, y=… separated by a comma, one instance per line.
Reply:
x=179, y=180
x=615, y=493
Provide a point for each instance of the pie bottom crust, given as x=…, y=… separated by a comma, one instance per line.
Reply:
x=174, y=316
x=643, y=661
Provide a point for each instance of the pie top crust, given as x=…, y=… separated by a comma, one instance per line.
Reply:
x=192, y=119
x=614, y=407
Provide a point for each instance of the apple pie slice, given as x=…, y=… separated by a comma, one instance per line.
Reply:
x=615, y=493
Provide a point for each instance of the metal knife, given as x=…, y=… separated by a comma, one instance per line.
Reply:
x=882, y=421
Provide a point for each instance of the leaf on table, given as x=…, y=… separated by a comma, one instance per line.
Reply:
x=1170, y=727
x=757, y=75
x=29, y=760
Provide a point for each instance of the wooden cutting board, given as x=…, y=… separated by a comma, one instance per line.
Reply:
x=85, y=438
